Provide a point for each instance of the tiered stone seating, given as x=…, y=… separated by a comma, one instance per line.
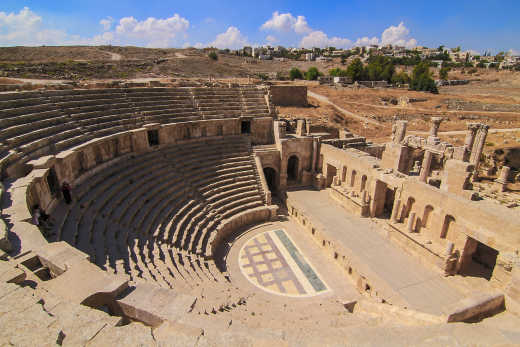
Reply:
x=34, y=124
x=253, y=102
x=93, y=114
x=163, y=105
x=152, y=216
x=218, y=103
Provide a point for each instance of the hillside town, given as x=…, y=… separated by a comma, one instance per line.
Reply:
x=437, y=56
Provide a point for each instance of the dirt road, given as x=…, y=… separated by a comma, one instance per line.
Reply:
x=113, y=56
x=326, y=100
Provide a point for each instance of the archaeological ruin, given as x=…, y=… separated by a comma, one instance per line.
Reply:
x=179, y=215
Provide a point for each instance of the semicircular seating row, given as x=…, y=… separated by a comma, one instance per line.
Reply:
x=154, y=216
x=33, y=124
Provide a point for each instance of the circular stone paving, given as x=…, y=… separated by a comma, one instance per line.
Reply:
x=273, y=262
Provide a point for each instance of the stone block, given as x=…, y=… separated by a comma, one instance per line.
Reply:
x=153, y=305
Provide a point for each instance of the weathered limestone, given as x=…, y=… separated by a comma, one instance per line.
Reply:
x=153, y=305
x=425, y=167
x=433, y=139
x=301, y=129
x=478, y=147
x=470, y=140
x=410, y=223
x=503, y=178
x=456, y=178
x=399, y=131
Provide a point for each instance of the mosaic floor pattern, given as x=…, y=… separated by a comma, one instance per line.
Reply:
x=272, y=262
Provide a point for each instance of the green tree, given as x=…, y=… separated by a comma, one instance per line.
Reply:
x=355, y=70
x=312, y=74
x=400, y=78
x=337, y=72
x=295, y=74
x=422, y=80
x=213, y=55
x=443, y=73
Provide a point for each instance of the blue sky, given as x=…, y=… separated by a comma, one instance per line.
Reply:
x=477, y=25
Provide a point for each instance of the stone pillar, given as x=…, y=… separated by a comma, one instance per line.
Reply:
x=411, y=219
x=364, y=196
x=450, y=260
x=503, y=178
x=399, y=131
x=434, y=130
x=395, y=211
x=308, y=127
x=478, y=147
x=449, y=249
x=280, y=130
x=470, y=139
x=314, y=154
x=426, y=164
x=300, y=127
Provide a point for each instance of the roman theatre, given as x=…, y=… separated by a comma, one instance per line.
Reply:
x=198, y=216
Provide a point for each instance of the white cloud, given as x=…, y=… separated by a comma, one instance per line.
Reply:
x=107, y=23
x=232, y=39
x=297, y=25
x=29, y=29
x=367, y=41
x=271, y=39
x=320, y=39
x=151, y=32
x=398, y=36
x=286, y=22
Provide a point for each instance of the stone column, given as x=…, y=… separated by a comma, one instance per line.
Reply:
x=478, y=147
x=364, y=197
x=308, y=126
x=434, y=130
x=395, y=211
x=300, y=127
x=399, y=131
x=314, y=154
x=503, y=178
x=411, y=219
x=470, y=139
x=426, y=164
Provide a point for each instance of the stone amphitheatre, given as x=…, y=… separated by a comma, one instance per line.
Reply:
x=199, y=216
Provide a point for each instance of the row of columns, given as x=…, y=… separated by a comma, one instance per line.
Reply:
x=473, y=146
x=433, y=139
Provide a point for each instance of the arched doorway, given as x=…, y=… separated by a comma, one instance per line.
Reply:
x=292, y=168
x=270, y=177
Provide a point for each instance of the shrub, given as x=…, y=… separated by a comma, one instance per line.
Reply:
x=422, y=80
x=312, y=74
x=295, y=74
x=213, y=55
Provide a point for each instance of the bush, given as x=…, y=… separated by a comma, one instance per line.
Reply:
x=337, y=72
x=213, y=55
x=422, y=80
x=295, y=74
x=443, y=73
x=312, y=74
x=400, y=78
x=355, y=70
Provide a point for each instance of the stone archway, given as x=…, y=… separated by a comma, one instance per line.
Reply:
x=293, y=167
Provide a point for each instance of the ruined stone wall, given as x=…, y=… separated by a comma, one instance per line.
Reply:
x=262, y=131
x=289, y=95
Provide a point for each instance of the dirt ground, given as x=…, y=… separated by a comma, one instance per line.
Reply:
x=493, y=100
